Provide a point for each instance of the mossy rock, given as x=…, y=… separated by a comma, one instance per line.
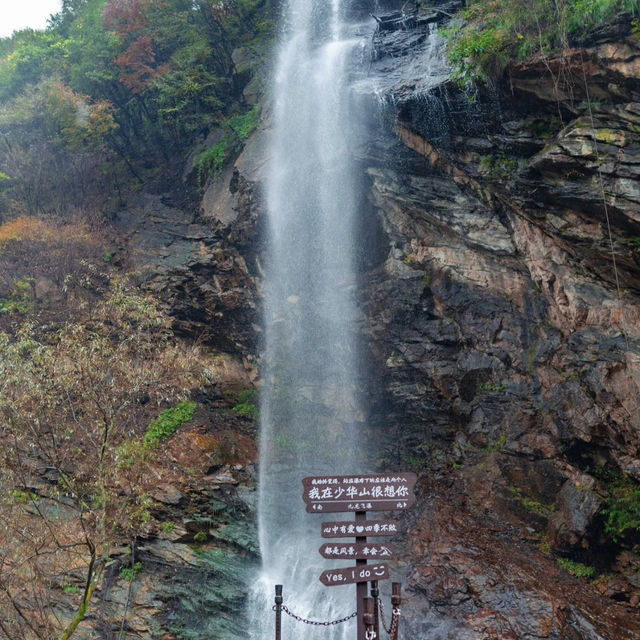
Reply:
x=209, y=601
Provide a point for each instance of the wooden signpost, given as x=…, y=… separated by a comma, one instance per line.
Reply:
x=369, y=529
x=358, y=551
x=353, y=575
x=359, y=494
x=334, y=494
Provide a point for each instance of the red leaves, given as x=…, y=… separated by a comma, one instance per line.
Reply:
x=130, y=21
x=125, y=16
x=138, y=65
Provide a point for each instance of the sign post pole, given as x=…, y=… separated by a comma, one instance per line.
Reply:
x=361, y=587
x=375, y=593
x=369, y=618
x=278, y=609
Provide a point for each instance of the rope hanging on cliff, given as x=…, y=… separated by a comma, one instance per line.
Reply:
x=604, y=201
x=600, y=178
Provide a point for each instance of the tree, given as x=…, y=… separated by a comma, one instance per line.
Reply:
x=74, y=463
x=54, y=144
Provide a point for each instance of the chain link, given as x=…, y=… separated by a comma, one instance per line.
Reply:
x=384, y=621
x=315, y=623
x=395, y=618
x=395, y=622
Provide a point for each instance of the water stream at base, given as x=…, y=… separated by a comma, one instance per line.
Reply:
x=310, y=413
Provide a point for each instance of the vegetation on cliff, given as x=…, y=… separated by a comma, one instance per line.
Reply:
x=495, y=33
x=93, y=383
x=112, y=91
x=73, y=404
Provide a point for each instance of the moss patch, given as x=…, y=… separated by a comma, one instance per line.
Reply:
x=168, y=422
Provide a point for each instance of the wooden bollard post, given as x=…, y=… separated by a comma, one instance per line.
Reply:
x=396, y=601
x=278, y=610
x=375, y=594
x=368, y=618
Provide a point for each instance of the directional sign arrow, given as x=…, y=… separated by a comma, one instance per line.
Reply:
x=351, y=575
x=366, y=528
x=359, y=551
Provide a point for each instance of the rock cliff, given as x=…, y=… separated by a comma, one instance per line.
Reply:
x=504, y=322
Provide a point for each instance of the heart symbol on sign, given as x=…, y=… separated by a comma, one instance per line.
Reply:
x=360, y=529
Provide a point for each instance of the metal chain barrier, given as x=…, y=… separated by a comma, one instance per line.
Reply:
x=316, y=623
x=394, y=620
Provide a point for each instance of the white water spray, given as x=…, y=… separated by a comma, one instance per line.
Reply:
x=310, y=415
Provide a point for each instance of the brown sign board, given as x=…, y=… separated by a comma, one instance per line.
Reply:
x=351, y=575
x=364, y=528
x=358, y=551
x=374, y=492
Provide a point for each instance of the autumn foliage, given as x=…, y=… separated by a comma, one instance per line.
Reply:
x=25, y=229
x=44, y=265
x=74, y=465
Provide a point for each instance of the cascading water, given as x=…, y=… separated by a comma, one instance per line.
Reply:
x=310, y=414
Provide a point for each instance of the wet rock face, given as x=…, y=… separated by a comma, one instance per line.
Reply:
x=507, y=343
x=199, y=262
x=576, y=505
x=503, y=345
x=188, y=575
x=485, y=580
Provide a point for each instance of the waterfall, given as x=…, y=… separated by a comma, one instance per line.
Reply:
x=310, y=413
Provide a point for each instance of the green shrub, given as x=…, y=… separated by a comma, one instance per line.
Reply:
x=131, y=573
x=245, y=406
x=22, y=497
x=622, y=505
x=20, y=299
x=236, y=130
x=500, y=167
x=168, y=422
x=213, y=159
x=533, y=506
x=200, y=537
x=244, y=125
x=623, y=512
x=499, y=32
x=487, y=386
x=576, y=568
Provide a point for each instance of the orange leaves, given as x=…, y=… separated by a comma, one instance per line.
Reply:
x=138, y=65
x=24, y=228
x=54, y=260
x=125, y=16
x=27, y=229
x=128, y=18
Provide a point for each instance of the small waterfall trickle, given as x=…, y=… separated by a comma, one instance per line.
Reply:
x=310, y=412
